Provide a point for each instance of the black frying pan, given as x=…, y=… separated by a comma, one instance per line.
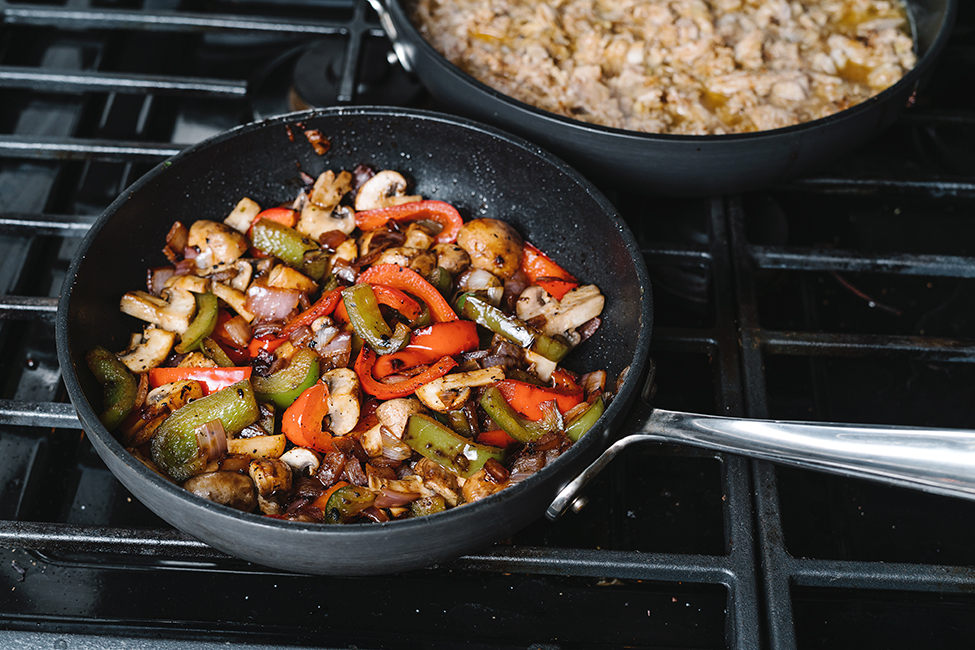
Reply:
x=478, y=169
x=483, y=172
x=675, y=164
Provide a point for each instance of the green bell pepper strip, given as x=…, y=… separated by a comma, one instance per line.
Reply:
x=585, y=420
x=119, y=386
x=428, y=505
x=438, y=443
x=346, y=503
x=202, y=325
x=215, y=353
x=515, y=330
x=176, y=449
x=367, y=321
x=290, y=246
x=283, y=387
x=441, y=280
x=520, y=428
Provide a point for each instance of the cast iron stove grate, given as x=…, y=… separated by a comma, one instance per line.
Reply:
x=845, y=296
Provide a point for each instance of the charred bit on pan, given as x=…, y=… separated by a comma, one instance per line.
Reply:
x=319, y=142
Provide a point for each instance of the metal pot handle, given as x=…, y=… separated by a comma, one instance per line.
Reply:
x=403, y=50
x=941, y=461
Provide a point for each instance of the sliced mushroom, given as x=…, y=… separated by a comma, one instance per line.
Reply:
x=271, y=505
x=534, y=302
x=218, y=244
x=385, y=189
x=172, y=396
x=493, y=245
x=452, y=257
x=322, y=213
x=542, y=367
x=372, y=441
x=378, y=240
x=148, y=350
x=421, y=261
x=315, y=220
x=283, y=276
x=302, y=461
x=242, y=215
x=578, y=306
x=343, y=400
x=438, y=478
x=172, y=312
x=451, y=391
x=480, y=485
x=394, y=413
x=197, y=360
x=242, y=280
x=191, y=283
x=329, y=189
x=417, y=236
x=347, y=251
x=236, y=299
x=226, y=488
x=258, y=447
x=270, y=475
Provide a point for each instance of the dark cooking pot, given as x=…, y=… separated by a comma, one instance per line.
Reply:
x=483, y=172
x=675, y=164
x=478, y=169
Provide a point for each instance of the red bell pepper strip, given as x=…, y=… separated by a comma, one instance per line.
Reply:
x=541, y=270
x=408, y=280
x=302, y=421
x=428, y=345
x=367, y=359
x=496, y=438
x=322, y=307
x=528, y=398
x=213, y=379
x=268, y=343
x=443, y=213
x=409, y=308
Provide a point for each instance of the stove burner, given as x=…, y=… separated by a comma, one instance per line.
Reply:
x=310, y=76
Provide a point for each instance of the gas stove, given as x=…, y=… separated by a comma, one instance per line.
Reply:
x=845, y=296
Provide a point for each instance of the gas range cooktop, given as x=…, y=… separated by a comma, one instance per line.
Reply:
x=845, y=296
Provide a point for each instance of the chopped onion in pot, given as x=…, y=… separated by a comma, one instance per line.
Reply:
x=187, y=266
x=238, y=330
x=393, y=498
x=337, y=352
x=394, y=448
x=593, y=381
x=374, y=513
x=271, y=303
x=212, y=439
x=157, y=278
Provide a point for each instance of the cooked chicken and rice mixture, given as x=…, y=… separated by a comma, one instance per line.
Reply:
x=691, y=67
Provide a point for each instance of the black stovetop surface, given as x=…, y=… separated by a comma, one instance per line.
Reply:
x=846, y=296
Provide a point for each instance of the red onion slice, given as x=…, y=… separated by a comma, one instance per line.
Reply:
x=212, y=439
x=393, y=498
x=395, y=449
x=271, y=303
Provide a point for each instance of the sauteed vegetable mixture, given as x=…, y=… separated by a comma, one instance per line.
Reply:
x=359, y=354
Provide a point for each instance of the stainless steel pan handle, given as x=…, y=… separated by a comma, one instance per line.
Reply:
x=934, y=460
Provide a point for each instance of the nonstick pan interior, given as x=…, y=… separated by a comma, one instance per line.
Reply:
x=483, y=172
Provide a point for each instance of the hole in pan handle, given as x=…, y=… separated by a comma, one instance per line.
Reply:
x=941, y=461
